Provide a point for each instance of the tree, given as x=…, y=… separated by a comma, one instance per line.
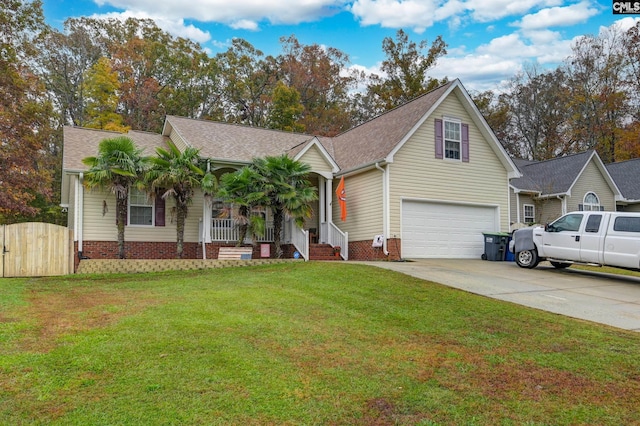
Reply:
x=244, y=189
x=178, y=174
x=406, y=69
x=100, y=87
x=495, y=110
x=25, y=112
x=249, y=79
x=537, y=103
x=598, y=99
x=65, y=59
x=286, y=109
x=319, y=75
x=287, y=190
x=118, y=166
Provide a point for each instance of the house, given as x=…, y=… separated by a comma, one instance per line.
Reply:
x=551, y=188
x=425, y=179
x=627, y=176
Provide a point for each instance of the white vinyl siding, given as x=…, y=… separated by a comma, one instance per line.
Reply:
x=364, y=205
x=97, y=227
x=316, y=160
x=416, y=173
x=177, y=140
x=591, y=180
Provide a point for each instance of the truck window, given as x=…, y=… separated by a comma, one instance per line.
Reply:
x=570, y=222
x=627, y=224
x=593, y=223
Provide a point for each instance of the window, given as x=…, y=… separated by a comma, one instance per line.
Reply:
x=627, y=224
x=593, y=223
x=591, y=202
x=140, y=208
x=452, y=139
x=529, y=213
x=570, y=222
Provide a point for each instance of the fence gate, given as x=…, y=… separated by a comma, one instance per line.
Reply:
x=35, y=249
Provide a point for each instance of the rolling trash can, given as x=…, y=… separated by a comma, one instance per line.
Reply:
x=495, y=245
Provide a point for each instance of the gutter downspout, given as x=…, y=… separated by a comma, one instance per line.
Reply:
x=385, y=208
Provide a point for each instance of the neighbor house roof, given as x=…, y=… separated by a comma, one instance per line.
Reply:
x=556, y=176
x=627, y=177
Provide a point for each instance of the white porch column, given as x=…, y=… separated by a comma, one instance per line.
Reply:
x=322, y=217
x=329, y=202
x=207, y=211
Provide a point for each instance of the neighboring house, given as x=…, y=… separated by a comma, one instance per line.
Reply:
x=429, y=176
x=551, y=188
x=627, y=176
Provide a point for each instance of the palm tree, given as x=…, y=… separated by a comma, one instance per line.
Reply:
x=287, y=190
x=179, y=174
x=118, y=166
x=243, y=188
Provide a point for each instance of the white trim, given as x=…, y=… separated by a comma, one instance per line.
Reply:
x=130, y=204
x=315, y=142
x=457, y=121
x=524, y=213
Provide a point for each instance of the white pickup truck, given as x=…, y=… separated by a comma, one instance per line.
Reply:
x=589, y=237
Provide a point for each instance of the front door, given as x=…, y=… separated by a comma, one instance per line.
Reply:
x=561, y=240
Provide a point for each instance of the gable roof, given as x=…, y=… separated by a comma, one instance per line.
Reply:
x=378, y=139
x=557, y=176
x=627, y=177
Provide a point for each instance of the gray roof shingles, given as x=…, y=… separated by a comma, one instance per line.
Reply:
x=626, y=174
x=365, y=144
x=551, y=176
x=80, y=143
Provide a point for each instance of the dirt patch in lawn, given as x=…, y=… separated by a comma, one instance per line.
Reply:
x=56, y=314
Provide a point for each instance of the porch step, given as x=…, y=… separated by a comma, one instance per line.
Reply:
x=322, y=252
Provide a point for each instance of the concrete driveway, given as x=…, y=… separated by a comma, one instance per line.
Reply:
x=603, y=298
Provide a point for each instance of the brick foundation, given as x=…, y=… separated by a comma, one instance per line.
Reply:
x=362, y=250
x=158, y=250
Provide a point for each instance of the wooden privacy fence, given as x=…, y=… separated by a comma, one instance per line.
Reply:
x=35, y=249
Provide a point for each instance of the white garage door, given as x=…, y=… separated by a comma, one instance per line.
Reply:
x=432, y=230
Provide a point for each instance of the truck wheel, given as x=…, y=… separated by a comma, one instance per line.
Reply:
x=527, y=258
x=560, y=265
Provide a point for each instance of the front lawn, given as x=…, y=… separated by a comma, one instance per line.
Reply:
x=300, y=344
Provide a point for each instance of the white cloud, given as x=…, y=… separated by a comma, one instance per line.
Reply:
x=558, y=16
x=237, y=12
x=176, y=27
x=415, y=14
x=490, y=10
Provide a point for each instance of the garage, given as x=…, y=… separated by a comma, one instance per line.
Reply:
x=445, y=230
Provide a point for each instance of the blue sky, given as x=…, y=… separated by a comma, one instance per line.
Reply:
x=489, y=40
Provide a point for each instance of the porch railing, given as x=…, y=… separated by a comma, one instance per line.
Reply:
x=337, y=238
x=299, y=239
x=227, y=230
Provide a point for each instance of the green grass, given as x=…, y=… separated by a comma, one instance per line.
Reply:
x=300, y=344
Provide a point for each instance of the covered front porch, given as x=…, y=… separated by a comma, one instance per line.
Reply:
x=220, y=224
